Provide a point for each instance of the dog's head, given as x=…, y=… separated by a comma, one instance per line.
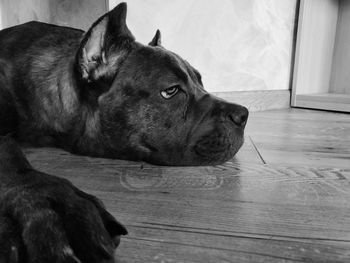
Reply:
x=153, y=106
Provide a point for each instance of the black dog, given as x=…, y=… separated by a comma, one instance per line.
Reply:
x=98, y=93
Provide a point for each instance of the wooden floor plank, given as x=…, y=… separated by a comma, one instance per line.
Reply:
x=302, y=137
x=294, y=208
x=228, y=248
x=184, y=253
x=248, y=153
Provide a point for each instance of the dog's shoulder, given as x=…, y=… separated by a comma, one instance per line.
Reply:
x=35, y=61
x=21, y=40
x=33, y=30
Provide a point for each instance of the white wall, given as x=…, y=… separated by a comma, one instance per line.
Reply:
x=74, y=13
x=236, y=44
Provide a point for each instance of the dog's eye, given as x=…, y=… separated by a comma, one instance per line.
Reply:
x=169, y=92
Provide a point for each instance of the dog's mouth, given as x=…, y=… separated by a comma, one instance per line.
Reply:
x=212, y=148
x=217, y=148
x=212, y=141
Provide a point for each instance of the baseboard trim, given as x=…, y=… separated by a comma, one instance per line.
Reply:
x=324, y=101
x=258, y=100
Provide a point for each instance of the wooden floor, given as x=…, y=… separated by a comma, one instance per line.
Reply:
x=284, y=198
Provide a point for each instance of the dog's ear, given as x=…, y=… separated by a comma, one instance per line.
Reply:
x=104, y=45
x=156, y=41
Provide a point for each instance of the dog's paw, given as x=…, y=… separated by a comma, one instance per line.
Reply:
x=47, y=219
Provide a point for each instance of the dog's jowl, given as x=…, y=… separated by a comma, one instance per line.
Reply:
x=98, y=93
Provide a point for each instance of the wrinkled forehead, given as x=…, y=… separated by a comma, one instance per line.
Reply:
x=159, y=62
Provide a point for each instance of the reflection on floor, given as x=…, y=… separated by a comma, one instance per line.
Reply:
x=284, y=198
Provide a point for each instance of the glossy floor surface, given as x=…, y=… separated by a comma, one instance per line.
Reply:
x=284, y=198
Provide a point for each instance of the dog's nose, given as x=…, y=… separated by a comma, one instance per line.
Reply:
x=238, y=115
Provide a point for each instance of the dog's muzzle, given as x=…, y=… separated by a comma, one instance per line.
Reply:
x=220, y=133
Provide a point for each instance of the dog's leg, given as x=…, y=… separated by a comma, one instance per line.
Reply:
x=11, y=247
x=8, y=113
x=57, y=221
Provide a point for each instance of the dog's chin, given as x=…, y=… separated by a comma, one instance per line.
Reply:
x=215, y=151
x=209, y=150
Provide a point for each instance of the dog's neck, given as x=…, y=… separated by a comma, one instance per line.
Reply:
x=87, y=116
x=73, y=108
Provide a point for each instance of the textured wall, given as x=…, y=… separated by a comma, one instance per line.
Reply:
x=74, y=13
x=236, y=44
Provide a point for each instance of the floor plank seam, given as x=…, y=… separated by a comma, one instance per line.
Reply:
x=256, y=149
x=240, y=234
